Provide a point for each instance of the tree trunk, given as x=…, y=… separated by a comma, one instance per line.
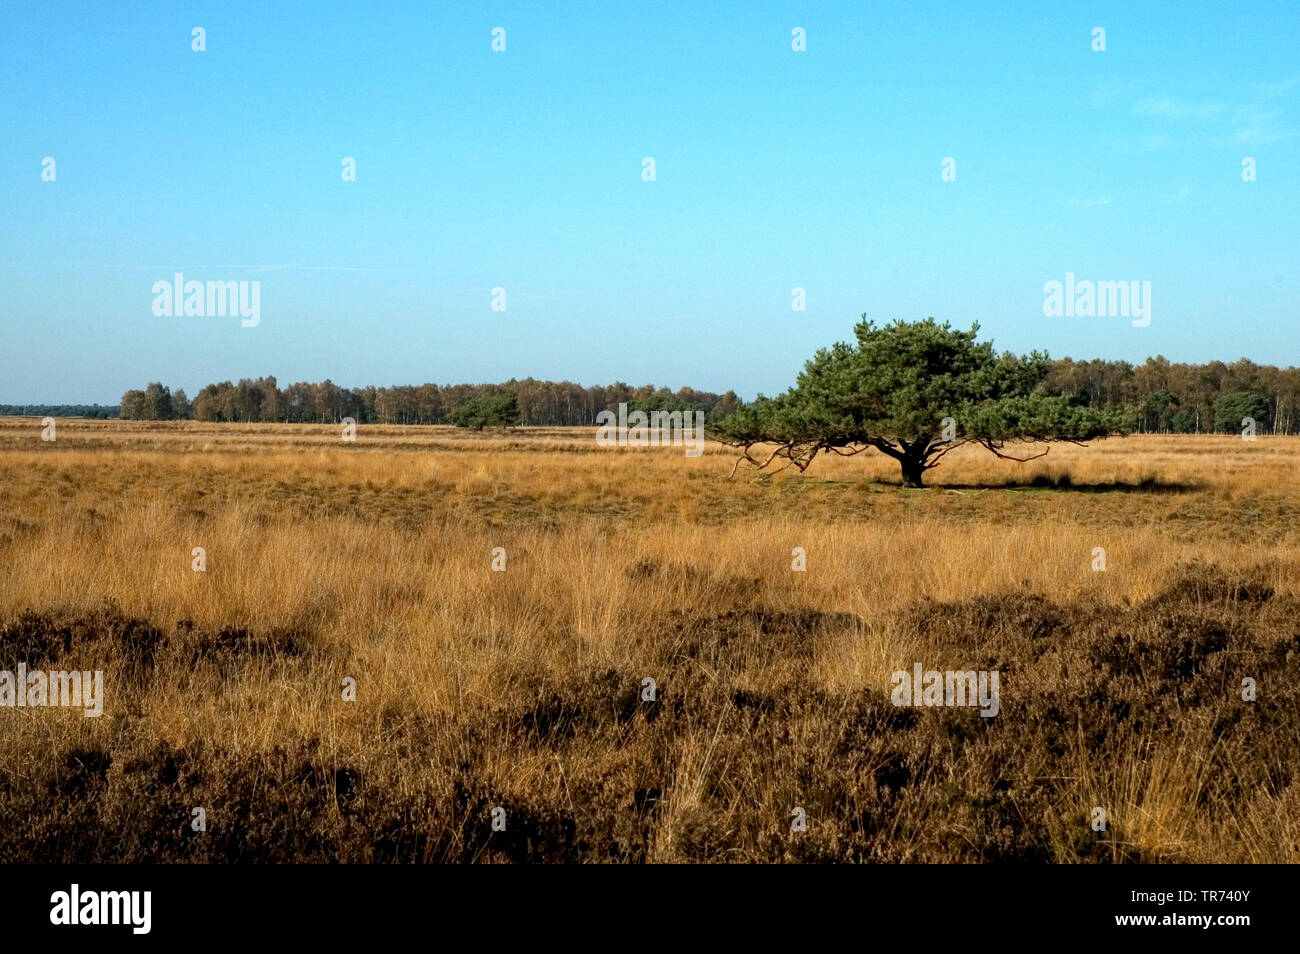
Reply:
x=913, y=470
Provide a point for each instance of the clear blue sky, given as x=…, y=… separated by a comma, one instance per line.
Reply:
x=522, y=169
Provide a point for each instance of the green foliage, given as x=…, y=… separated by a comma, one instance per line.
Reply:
x=1159, y=411
x=1183, y=421
x=99, y=411
x=157, y=402
x=540, y=403
x=1230, y=409
x=895, y=387
x=132, y=406
x=686, y=401
x=1193, y=387
x=486, y=410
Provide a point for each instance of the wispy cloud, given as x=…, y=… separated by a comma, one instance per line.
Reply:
x=254, y=269
x=1077, y=203
x=1258, y=120
x=1279, y=88
x=1168, y=107
x=1258, y=124
x=299, y=267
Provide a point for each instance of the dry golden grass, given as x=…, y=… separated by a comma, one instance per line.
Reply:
x=372, y=560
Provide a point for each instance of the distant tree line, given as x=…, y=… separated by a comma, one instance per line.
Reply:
x=1166, y=398
x=59, y=410
x=527, y=402
x=1185, y=398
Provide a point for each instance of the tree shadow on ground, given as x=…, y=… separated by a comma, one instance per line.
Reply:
x=1147, y=485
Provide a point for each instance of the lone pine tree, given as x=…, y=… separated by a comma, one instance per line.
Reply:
x=914, y=391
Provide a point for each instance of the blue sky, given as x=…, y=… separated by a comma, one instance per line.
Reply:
x=523, y=170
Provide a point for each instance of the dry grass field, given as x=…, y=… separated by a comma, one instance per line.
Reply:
x=474, y=688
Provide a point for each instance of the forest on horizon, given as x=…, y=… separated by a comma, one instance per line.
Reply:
x=1167, y=397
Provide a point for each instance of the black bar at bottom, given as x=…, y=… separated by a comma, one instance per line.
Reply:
x=944, y=904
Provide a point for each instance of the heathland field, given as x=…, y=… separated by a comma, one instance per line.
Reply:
x=365, y=569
